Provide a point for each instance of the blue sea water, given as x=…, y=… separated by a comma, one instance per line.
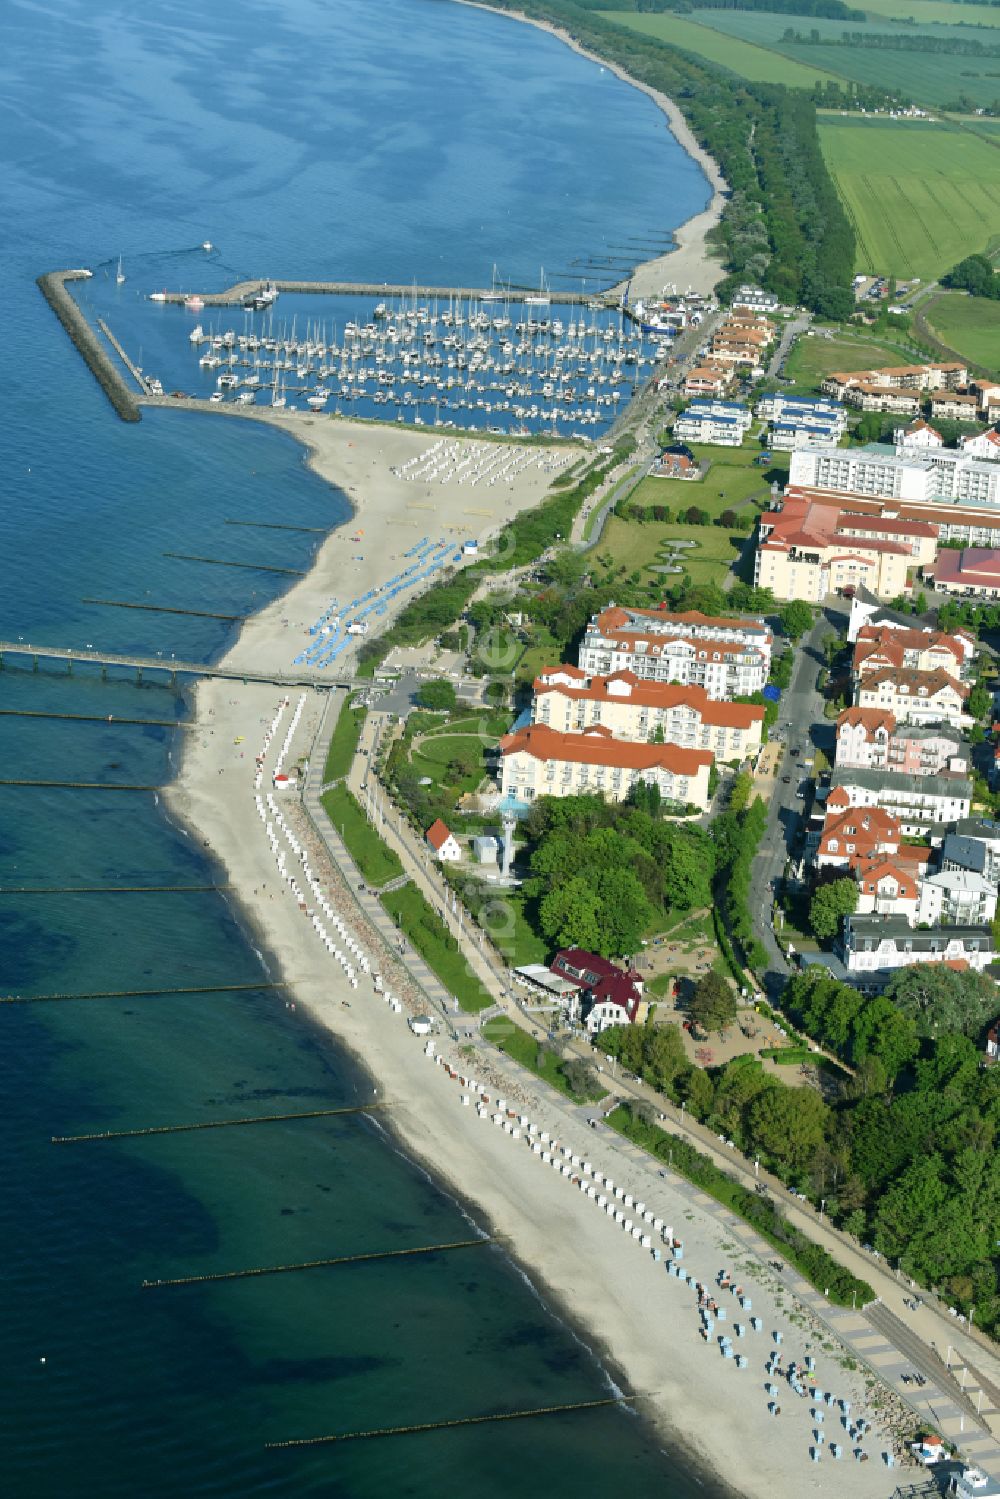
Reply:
x=367, y=138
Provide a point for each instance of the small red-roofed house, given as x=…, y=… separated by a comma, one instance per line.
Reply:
x=443, y=842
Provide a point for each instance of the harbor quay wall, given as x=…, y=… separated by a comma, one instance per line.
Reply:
x=52, y=286
x=236, y=293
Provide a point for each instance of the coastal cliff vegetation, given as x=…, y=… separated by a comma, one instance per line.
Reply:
x=783, y=224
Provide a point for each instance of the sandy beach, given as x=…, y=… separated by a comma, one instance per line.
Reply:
x=645, y=1323
x=690, y=266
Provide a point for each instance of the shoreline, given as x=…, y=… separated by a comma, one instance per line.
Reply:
x=688, y=266
x=598, y=1282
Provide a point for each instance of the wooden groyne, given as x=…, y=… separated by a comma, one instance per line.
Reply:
x=341, y=1259
x=52, y=286
x=425, y=1426
x=202, y=1124
x=242, y=290
x=250, y=988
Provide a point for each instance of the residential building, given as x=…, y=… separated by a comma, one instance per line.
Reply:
x=915, y=696
x=443, y=842
x=887, y=888
x=570, y=700
x=951, y=406
x=538, y=761
x=973, y=844
x=606, y=994
x=807, y=550
x=987, y=392
x=919, y=803
x=673, y=464
x=856, y=836
x=919, y=650
x=882, y=398
x=728, y=657
x=801, y=421
x=983, y=445
x=972, y=573
x=900, y=377
x=754, y=299
x=874, y=947
x=918, y=437
x=956, y=897
x=920, y=477
x=708, y=379
x=871, y=739
x=721, y=423
x=866, y=609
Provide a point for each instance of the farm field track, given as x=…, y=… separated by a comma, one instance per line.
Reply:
x=920, y=195
x=969, y=325
x=929, y=12
x=936, y=78
x=754, y=63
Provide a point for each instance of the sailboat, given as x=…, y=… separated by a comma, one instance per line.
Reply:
x=541, y=297
x=120, y=274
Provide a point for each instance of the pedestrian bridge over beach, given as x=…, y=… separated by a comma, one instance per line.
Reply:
x=304, y=677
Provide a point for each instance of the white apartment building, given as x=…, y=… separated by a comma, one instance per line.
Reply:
x=915, y=696
x=956, y=897
x=537, y=761
x=568, y=700
x=874, y=947
x=869, y=739
x=928, y=476
x=727, y=657
x=919, y=803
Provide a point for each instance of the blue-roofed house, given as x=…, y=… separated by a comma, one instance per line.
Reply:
x=718, y=423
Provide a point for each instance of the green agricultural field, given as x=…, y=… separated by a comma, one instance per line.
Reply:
x=754, y=63
x=969, y=325
x=935, y=78
x=927, y=12
x=920, y=195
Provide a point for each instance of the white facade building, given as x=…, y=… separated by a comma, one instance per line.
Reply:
x=728, y=657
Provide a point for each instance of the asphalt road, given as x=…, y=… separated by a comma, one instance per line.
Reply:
x=801, y=711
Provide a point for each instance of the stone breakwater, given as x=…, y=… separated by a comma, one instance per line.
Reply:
x=52, y=286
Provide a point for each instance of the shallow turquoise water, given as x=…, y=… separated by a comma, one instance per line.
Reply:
x=392, y=138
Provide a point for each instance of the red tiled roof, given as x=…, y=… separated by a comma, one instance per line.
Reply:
x=973, y=566
x=592, y=748
x=437, y=835
x=869, y=719
x=662, y=695
x=932, y=681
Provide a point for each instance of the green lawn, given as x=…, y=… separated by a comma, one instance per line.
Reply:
x=970, y=326
x=754, y=63
x=812, y=359
x=376, y=861
x=920, y=195
x=343, y=743
x=731, y=481
x=638, y=545
x=524, y=1049
x=934, y=78
x=511, y=932
x=436, y=946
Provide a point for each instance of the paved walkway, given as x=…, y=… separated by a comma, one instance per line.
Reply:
x=890, y=1339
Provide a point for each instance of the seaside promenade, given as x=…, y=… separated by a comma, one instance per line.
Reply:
x=961, y=1397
